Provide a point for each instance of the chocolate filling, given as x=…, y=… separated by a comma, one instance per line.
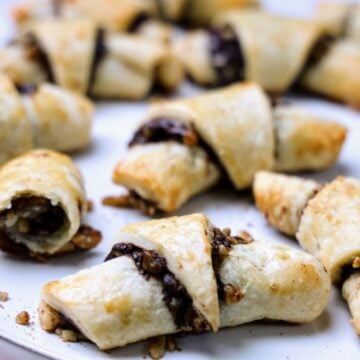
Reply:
x=222, y=242
x=320, y=50
x=227, y=57
x=151, y=264
x=163, y=129
x=99, y=53
x=138, y=22
x=36, y=53
x=30, y=217
x=166, y=129
x=28, y=89
x=347, y=271
x=131, y=201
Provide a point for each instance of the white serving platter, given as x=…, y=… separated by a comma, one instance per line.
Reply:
x=330, y=336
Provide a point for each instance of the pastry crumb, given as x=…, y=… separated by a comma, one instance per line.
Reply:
x=23, y=318
x=4, y=296
x=66, y=335
x=159, y=345
x=131, y=201
x=49, y=318
x=90, y=206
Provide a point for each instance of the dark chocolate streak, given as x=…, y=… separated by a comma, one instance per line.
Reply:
x=163, y=129
x=227, y=57
x=37, y=53
x=347, y=271
x=99, y=53
x=28, y=89
x=151, y=264
x=222, y=243
x=319, y=50
x=139, y=20
x=166, y=129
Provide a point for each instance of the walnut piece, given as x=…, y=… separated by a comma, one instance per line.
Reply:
x=66, y=335
x=23, y=318
x=49, y=318
x=4, y=296
x=86, y=238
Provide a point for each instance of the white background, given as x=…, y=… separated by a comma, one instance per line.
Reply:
x=330, y=336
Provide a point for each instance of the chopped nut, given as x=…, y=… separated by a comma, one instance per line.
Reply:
x=157, y=347
x=246, y=237
x=4, y=296
x=356, y=263
x=132, y=201
x=49, y=318
x=66, y=335
x=171, y=344
x=90, y=206
x=86, y=238
x=232, y=294
x=23, y=318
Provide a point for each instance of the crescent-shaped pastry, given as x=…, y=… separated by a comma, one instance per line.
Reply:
x=183, y=275
x=114, y=15
x=274, y=51
x=77, y=55
x=185, y=146
x=42, y=204
x=125, y=15
x=325, y=220
x=43, y=116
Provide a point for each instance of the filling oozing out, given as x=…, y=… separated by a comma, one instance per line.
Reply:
x=350, y=269
x=151, y=264
x=320, y=50
x=35, y=52
x=227, y=57
x=164, y=129
x=222, y=242
x=31, y=219
x=138, y=22
x=100, y=51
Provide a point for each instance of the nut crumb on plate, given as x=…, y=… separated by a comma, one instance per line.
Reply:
x=158, y=345
x=4, y=296
x=23, y=318
x=66, y=335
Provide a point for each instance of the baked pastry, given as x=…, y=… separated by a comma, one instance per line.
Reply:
x=340, y=19
x=42, y=116
x=114, y=15
x=125, y=15
x=325, y=220
x=186, y=146
x=100, y=63
x=182, y=274
x=42, y=204
x=274, y=51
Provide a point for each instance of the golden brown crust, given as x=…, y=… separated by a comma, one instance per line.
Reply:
x=329, y=225
x=305, y=142
x=351, y=293
x=336, y=75
x=282, y=199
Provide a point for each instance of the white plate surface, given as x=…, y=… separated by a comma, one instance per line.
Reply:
x=330, y=336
